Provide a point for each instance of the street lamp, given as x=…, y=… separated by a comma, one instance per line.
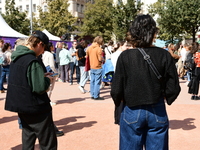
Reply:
x=31, y=17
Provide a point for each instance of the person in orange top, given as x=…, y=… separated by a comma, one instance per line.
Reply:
x=94, y=52
x=194, y=83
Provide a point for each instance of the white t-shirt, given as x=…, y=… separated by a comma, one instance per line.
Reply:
x=183, y=54
x=114, y=58
x=48, y=60
x=108, y=51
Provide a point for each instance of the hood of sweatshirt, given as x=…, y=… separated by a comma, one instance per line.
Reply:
x=20, y=51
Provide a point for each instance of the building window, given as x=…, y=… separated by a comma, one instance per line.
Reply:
x=77, y=7
x=34, y=7
x=20, y=8
x=27, y=8
x=82, y=8
x=45, y=8
x=0, y=10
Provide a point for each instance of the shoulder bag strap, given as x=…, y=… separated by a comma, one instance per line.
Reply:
x=108, y=50
x=152, y=66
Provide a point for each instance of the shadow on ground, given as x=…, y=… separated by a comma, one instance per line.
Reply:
x=65, y=121
x=77, y=126
x=70, y=101
x=2, y=99
x=8, y=119
x=186, y=124
x=19, y=147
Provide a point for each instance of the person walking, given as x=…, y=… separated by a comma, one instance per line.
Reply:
x=94, y=52
x=81, y=62
x=144, y=121
x=27, y=94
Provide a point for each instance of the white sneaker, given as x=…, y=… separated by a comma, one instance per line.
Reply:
x=52, y=103
x=86, y=91
x=81, y=89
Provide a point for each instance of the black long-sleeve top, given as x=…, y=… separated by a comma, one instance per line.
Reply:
x=135, y=83
x=81, y=55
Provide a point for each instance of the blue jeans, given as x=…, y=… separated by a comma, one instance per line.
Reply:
x=72, y=67
x=84, y=76
x=4, y=74
x=95, y=82
x=144, y=126
x=189, y=74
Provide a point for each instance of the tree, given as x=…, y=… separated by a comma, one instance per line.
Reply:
x=177, y=17
x=16, y=19
x=98, y=19
x=123, y=14
x=57, y=20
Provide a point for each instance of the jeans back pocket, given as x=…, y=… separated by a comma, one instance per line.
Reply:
x=131, y=115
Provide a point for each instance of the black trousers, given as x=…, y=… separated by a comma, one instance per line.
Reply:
x=39, y=126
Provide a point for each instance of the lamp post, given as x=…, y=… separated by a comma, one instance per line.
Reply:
x=31, y=17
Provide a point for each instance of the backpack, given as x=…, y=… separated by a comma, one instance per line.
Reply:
x=189, y=62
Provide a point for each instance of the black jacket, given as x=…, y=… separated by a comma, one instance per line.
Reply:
x=136, y=84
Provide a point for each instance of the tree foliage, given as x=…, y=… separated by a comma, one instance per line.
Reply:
x=98, y=19
x=177, y=17
x=57, y=19
x=123, y=14
x=16, y=19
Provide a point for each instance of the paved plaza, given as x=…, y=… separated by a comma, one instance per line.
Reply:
x=89, y=124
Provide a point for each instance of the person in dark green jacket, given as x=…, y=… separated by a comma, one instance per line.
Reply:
x=26, y=94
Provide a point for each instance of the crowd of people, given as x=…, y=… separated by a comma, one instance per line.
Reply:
x=141, y=78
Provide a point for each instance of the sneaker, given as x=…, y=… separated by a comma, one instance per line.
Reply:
x=187, y=82
x=99, y=98
x=70, y=83
x=102, y=85
x=196, y=98
x=52, y=103
x=81, y=89
x=59, y=133
x=86, y=91
x=192, y=98
x=59, y=80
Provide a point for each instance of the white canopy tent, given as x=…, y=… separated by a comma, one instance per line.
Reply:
x=51, y=37
x=7, y=31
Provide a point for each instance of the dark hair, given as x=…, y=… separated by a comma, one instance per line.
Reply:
x=177, y=46
x=195, y=47
x=142, y=31
x=110, y=42
x=84, y=43
x=48, y=48
x=5, y=47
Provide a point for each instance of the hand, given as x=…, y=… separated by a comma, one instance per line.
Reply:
x=50, y=78
x=48, y=74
